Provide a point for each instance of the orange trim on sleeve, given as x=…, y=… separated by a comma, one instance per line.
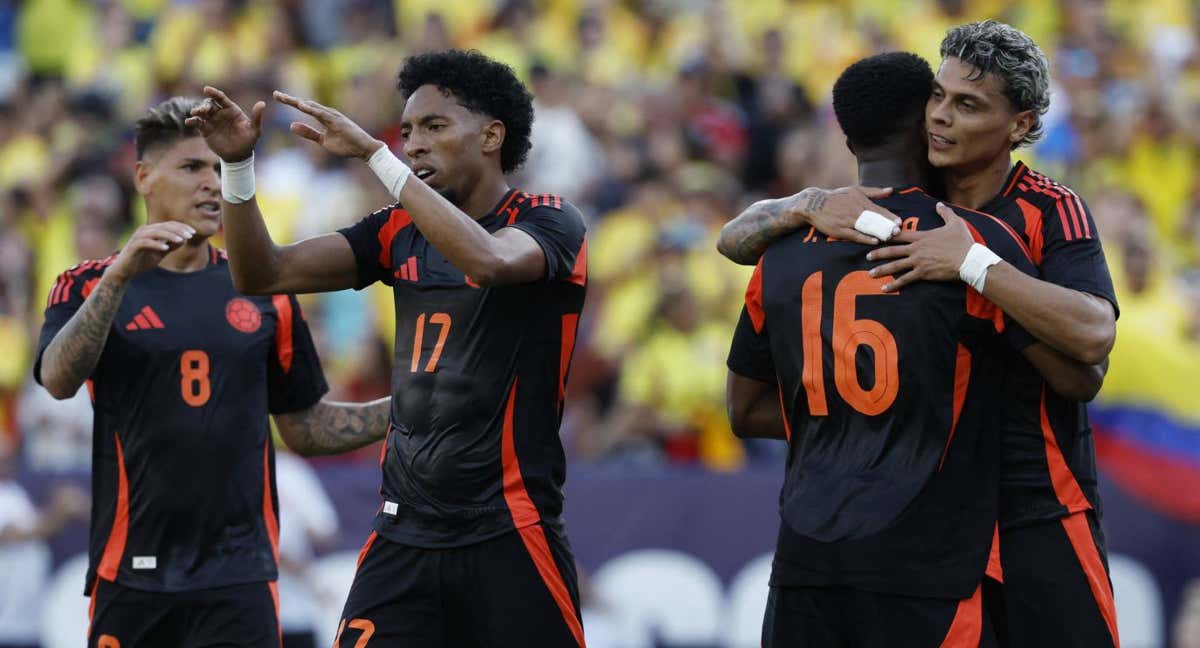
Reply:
x=754, y=305
x=114, y=548
x=397, y=220
x=283, y=331
x=1033, y=229
x=579, y=272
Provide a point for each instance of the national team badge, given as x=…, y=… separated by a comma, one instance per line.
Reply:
x=243, y=315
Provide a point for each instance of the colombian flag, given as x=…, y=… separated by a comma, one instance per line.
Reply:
x=1146, y=420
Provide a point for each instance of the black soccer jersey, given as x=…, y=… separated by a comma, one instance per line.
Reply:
x=892, y=458
x=183, y=492
x=479, y=377
x=1049, y=459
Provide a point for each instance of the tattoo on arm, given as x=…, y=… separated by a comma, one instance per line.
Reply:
x=333, y=428
x=745, y=238
x=73, y=353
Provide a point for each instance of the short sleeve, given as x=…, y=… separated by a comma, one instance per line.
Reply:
x=66, y=297
x=371, y=240
x=558, y=228
x=1071, y=254
x=750, y=352
x=295, y=380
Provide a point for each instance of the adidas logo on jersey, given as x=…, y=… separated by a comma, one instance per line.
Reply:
x=145, y=319
x=408, y=271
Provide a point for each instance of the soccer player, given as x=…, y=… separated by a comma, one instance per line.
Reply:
x=183, y=372
x=988, y=98
x=889, y=500
x=489, y=281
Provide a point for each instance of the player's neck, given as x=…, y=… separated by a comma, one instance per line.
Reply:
x=190, y=257
x=890, y=173
x=487, y=194
x=974, y=187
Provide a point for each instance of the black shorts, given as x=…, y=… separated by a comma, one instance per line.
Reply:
x=837, y=617
x=518, y=589
x=1057, y=591
x=243, y=616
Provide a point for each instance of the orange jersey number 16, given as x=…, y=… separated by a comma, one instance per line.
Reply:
x=849, y=333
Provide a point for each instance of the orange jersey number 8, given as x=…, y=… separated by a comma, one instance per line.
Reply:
x=193, y=383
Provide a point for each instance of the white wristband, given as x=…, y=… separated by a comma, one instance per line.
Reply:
x=237, y=180
x=390, y=170
x=975, y=266
x=876, y=225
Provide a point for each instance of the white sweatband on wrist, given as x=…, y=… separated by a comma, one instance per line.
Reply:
x=237, y=180
x=974, y=268
x=390, y=170
x=875, y=224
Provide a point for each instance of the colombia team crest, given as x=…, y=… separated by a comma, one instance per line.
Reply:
x=243, y=315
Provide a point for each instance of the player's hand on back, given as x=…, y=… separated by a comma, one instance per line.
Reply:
x=226, y=128
x=834, y=212
x=931, y=255
x=336, y=132
x=147, y=247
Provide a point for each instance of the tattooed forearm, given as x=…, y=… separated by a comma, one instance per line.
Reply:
x=73, y=353
x=332, y=428
x=745, y=238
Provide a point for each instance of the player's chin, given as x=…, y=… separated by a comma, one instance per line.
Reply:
x=942, y=159
x=205, y=222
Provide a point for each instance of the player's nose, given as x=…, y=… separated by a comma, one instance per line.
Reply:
x=415, y=146
x=939, y=113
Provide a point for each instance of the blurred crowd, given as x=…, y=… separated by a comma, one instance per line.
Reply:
x=661, y=119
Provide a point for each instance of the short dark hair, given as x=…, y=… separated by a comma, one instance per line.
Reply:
x=1009, y=53
x=881, y=97
x=163, y=124
x=481, y=85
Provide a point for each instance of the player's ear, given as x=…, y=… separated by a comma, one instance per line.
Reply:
x=1022, y=122
x=493, y=136
x=141, y=177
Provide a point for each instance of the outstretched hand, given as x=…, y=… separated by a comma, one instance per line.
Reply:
x=226, y=128
x=337, y=134
x=931, y=255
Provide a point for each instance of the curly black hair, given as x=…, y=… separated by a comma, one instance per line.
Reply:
x=163, y=124
x=881, y=97
x=481, y=85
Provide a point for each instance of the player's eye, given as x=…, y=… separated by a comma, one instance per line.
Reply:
x=436, y=127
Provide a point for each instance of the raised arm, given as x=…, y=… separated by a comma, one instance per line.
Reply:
x=72, y=354
x=832, y=211
x=330, y=427
x=507, y=256
x=258, y=265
